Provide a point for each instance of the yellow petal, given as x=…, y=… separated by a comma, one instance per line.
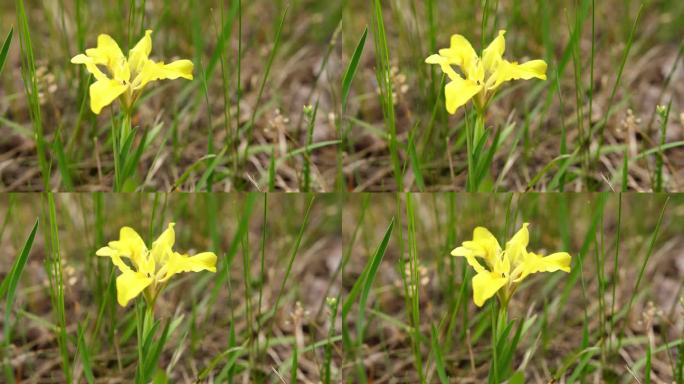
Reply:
x=559, y=261
x=131, y=245
x=458, y=92
x=109, y=54
x=104, y=92
x=205, y=261
x=534, y=263
x=107, y=51
x=508, y=71
x=129, y=285
x=516, y=248
x=90, y=66
x=460, y=53
x=130, y=238
x=159, y=71
x=470, y=258
x=485, y=285
x=493, y=54
x=138, y=55
x=115, y=255
x=168, y=237
x=162, y=247
x=488, y=244
x=444, y=64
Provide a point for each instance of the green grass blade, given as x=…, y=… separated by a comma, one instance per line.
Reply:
x=621, y=69
x=384, y=78
x=84, y=352
x=364, y=284
x=415, y=162
x=439, y=358
x=272, y=171
x=264, y=80
x=649, y=252
x=9, y=288
x=5, y=48
x=352, y=68
x=62, y=164
x=31, y=89
x=293, y=253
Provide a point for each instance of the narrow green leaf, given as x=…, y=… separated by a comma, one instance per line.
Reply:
x=84, y=352
x=364, y=284
x=351, y=68
x=5, y=48
x=439, y=358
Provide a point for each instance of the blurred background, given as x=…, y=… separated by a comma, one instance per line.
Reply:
x=296, y=65
x=267, y=298
x=592, y=325
x=539, y=121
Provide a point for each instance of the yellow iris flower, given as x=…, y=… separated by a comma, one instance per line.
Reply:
x=483, y=75
x=123, y=77
x=150, y=268
x=504, y=269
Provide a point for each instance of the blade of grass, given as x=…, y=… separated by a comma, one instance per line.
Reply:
x=28, y=73
x=351, y=69
x=84, y=352
x=384, y=78
x=414, y=312
x=439, y=358
x=9, y=288
x=613, y=92
x=293, y=254
x=362, y=288
x=5, y=48
x=664, y=117
x=649, y=252
x=54, y=269
x=267, y=71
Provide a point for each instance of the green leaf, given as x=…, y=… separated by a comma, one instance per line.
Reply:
x=351, y=69
x=517, y=378
x=439, y=359
x=5, y=48
x=365, y=282
x=9, y=286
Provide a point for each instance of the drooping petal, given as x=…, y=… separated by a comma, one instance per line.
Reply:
x=104, y=92
x=115, y=255
x=131, y=245
x=508, y=71
x=458, y=92
x=168, y=237
x=90, y=66
x=162, y=247
x=130, y=239
x=493, y=54
x=485, y=285
x=109, y=54
x=444, y=64
x=485, y=244
x=460, y=53
x=177, y=263
x=138, y=55
x=129, y=285
x=470, y=258
x=559, y=261
x=107, y=51
x=159, y=71
x=516, y=247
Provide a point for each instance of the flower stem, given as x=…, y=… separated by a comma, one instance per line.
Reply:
x=499, y=324
x=119, y=139
x=473, y=137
